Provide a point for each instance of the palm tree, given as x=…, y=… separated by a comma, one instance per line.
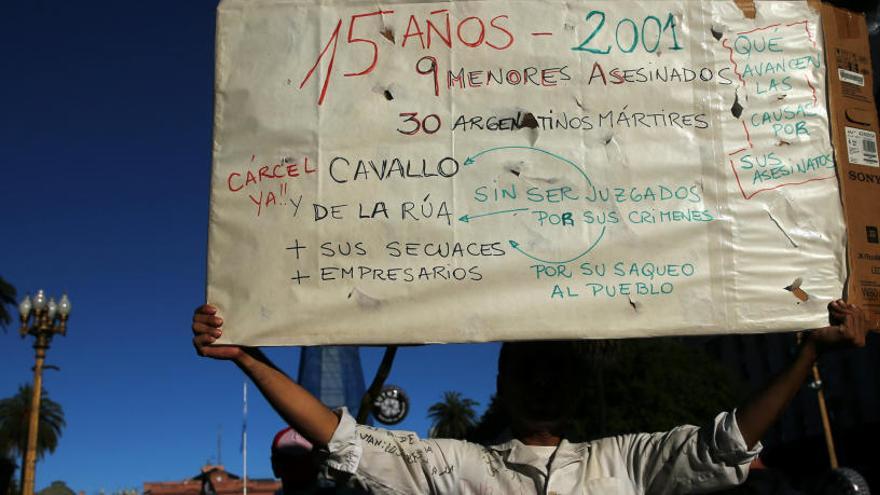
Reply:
x=492, y=424
x=14, y=414
x=453, y=417
x=7, y=298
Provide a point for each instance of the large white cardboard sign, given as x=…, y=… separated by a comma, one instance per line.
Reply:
x=415, y=172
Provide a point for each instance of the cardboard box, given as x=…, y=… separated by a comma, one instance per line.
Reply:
x=854, y=132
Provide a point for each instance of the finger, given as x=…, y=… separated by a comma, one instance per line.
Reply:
x=214, y=321
x=199, y=345
x=220, y=352
x=854, y=310
x=206, y=309
x=837, y=313
x=837, y=310
x=202, y=329
x=849, y=324
x=855, y=329
x=860, y=330
x=860, y=325
x=204, y=339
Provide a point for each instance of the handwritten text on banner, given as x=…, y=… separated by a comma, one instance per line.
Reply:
x=504, y=170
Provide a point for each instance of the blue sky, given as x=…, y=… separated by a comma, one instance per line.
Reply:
x=105, y=132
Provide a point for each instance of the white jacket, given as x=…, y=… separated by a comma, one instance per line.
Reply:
x=686, y=459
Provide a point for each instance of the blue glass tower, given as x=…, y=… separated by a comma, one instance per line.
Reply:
x=334, y=375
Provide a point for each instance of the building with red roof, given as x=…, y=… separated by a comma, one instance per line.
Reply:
x=213, y=480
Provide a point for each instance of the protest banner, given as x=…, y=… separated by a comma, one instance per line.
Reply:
x=472, y=171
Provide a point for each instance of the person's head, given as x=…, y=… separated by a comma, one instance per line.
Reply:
x=293, y=460
x=540, y=383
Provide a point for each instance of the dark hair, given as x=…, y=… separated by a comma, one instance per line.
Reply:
x=561, y=350
x=580, y=353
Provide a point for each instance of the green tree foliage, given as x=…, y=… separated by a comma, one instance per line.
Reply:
x=7, y=482
x=453, y=417
x=14, y=414
x=638, y=385
x=57, y=488
x=7, y=299
x=492, y=424
x=649, y=385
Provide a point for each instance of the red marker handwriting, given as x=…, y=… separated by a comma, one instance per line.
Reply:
x=470, y=32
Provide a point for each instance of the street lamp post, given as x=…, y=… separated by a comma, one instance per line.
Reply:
x=43, y=319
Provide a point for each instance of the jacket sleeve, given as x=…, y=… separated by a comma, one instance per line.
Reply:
x=689, y=459
x=396, y=462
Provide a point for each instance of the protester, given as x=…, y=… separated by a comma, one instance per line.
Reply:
x=293, y=462
x=537, y=384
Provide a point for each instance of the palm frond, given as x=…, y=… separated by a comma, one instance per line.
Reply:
x=453, y=417
x=14, y=416
x=7, y=298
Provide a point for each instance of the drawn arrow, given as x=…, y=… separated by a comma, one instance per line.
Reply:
x=473, y=158
x=468, y=218
x=515, y=245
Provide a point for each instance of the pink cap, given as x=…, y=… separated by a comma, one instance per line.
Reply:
x=289, y=442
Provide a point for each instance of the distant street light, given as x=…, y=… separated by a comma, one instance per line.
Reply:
x=42, y=319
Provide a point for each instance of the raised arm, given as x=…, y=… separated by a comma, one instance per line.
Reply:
x=690, y=459
x=300, y=409
x=849, y=328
